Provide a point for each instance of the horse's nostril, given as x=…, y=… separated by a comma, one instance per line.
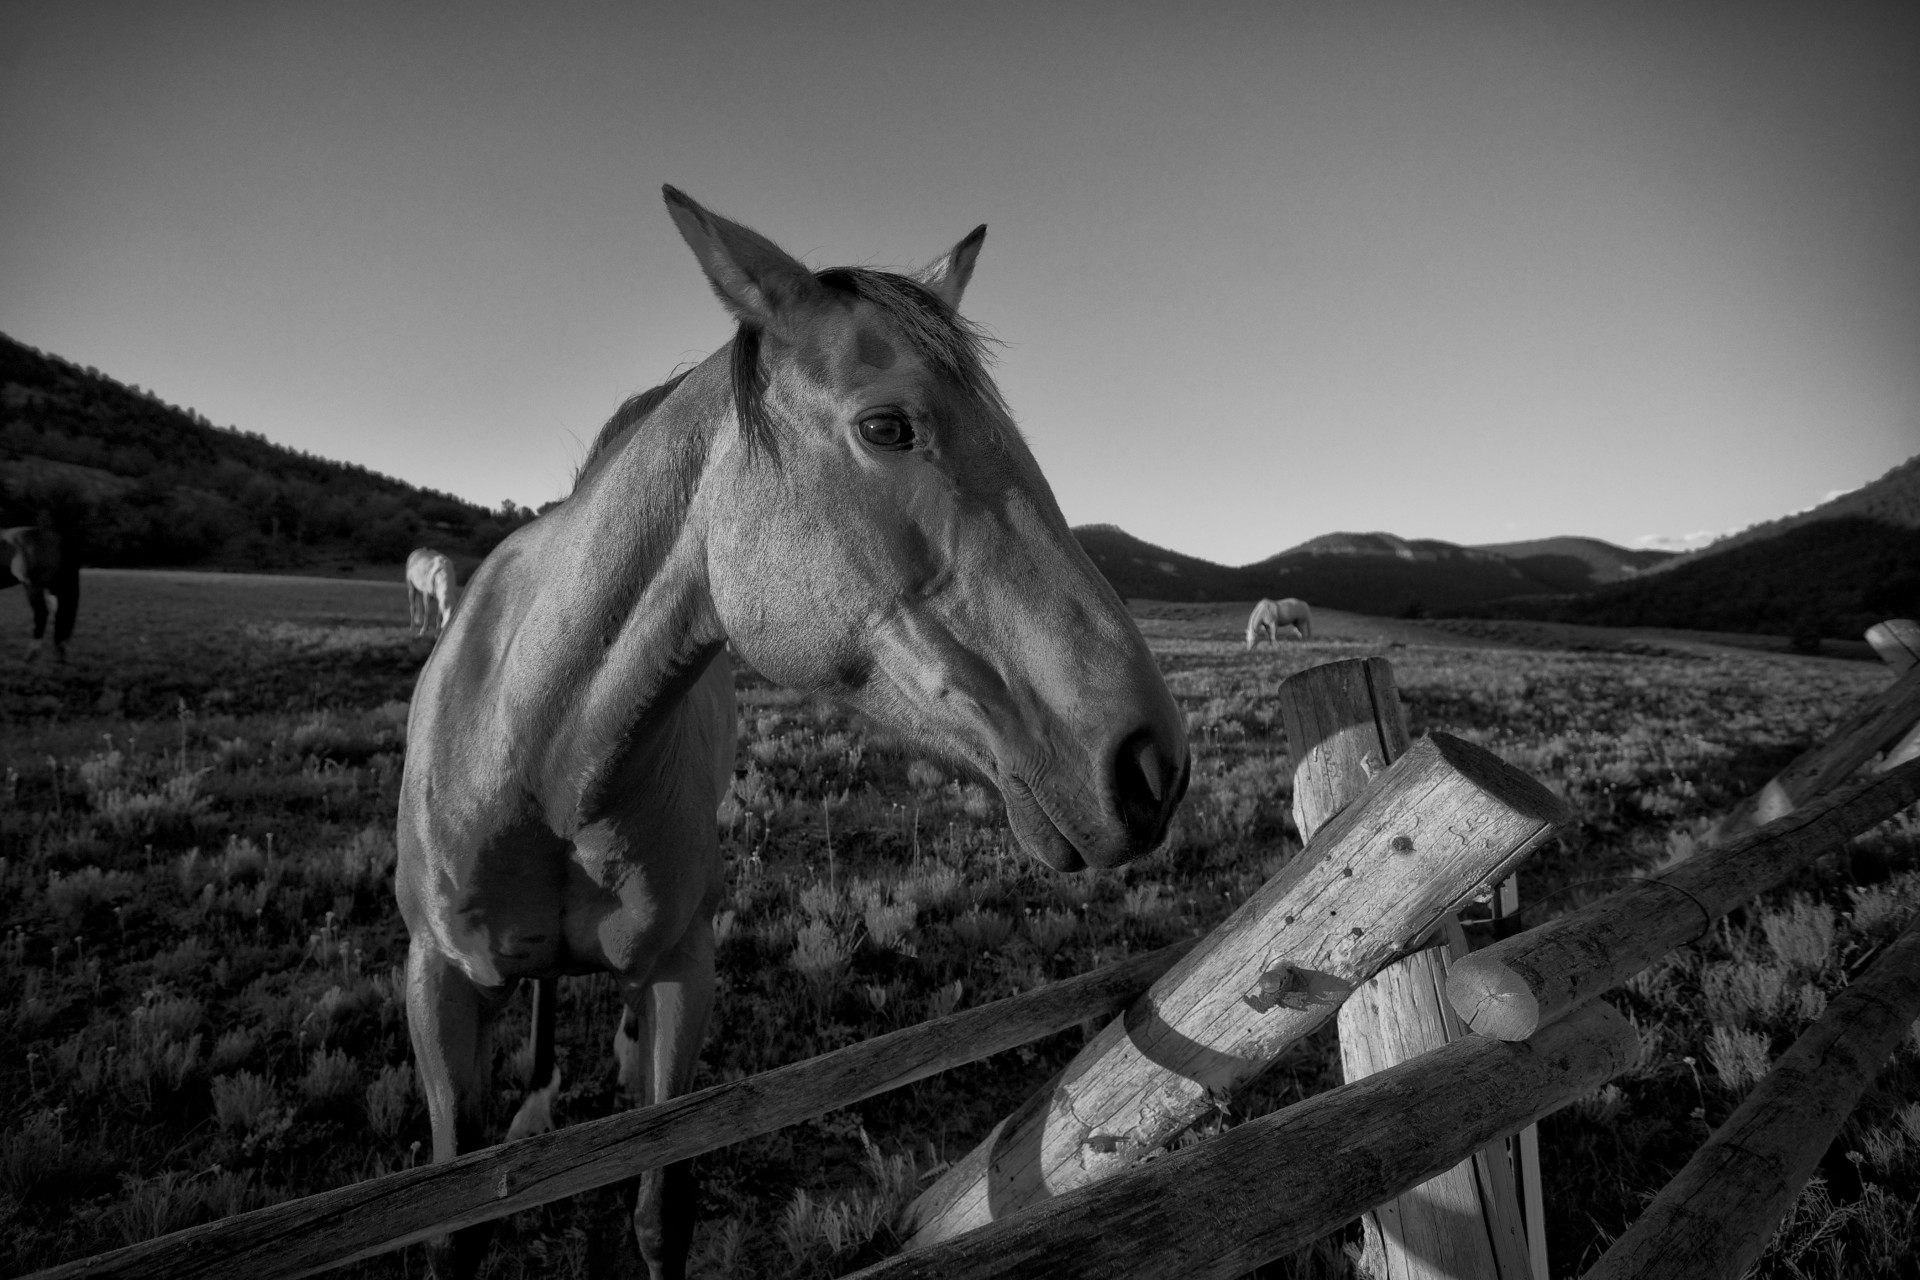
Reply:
x=1147, y=786
x=1146, y=759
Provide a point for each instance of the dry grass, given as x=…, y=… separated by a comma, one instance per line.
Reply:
x=198, y=945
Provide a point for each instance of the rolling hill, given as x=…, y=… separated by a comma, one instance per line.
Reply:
x=1829, y=572
x=1376, y=573
x=1893, y=500
x=1577, y=564
x=143, y=482
x=1139, y=570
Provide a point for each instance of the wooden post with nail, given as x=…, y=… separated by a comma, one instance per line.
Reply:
x=1344, y=725
x=1442, y=824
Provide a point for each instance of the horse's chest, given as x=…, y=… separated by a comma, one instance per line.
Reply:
x=613, y=900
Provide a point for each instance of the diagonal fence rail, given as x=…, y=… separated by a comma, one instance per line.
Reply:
x=301, y=1237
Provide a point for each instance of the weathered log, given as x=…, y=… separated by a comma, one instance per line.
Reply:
x=1440, y=825
x=1881, y=723
x=1219, y=1208
x=1513, y=988
x=1897, y=641
x=300, y=1237
x=1716, y=1216
x=1344, y=724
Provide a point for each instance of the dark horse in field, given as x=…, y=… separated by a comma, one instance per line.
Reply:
x=43, y=564
x=840, y=495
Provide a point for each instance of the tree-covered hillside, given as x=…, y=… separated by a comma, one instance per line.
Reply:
x=142, y=482
x=1831, y=578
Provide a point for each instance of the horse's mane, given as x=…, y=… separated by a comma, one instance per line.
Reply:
x=953, y=345
x=632, y=410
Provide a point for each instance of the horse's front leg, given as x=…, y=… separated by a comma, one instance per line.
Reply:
x=447, y=1019
x=669, y=1020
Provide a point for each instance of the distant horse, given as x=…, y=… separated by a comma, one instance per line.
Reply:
x=43, y=565
x=841, y=496
x=433, y=587
x=1278, y=616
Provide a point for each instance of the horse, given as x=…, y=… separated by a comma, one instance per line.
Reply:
x=1278, y=616
x=43, y=564
x=838, y=494
x=433, y=587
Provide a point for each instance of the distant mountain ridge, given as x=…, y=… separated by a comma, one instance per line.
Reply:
x=149, y=483
x=1577, y=564
x=1377, y=573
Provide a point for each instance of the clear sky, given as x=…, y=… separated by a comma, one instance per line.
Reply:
x=1478, y=271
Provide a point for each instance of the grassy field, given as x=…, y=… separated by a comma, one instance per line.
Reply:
x=199, y=949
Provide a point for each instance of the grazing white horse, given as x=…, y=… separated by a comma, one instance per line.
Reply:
x=840, y=495
x=1287, y=619
x=433, y=587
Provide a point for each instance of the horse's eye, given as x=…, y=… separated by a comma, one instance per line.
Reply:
x=887, y=431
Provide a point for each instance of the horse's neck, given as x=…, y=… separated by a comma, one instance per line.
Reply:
x=626, y=623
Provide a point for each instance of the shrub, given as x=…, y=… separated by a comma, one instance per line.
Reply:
x=1802, y=935
x=980, y=930
x=241, y=1102
x=72, y=897
x=390, y=1099
x=172, y=1201
x=821, y=955
x=889, y=923
x=331, y=1076
x=1740, y=1058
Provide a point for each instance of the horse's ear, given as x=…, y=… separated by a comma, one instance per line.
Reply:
x=948, y=277
x=754, y=277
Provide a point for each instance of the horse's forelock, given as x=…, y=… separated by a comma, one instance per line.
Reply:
x=941, y=336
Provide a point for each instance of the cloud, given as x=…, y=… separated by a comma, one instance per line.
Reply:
x=1675, y=541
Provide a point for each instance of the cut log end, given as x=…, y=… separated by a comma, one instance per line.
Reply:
x=1492, y=999
x=1512, y=787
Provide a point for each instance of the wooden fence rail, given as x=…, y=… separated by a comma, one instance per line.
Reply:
x=1898, y=644
x=1515, y=986
x=1260, y=1190
x=300, y=1237
x=1880, y=724
x=1714, y=1219
x=1897, y=641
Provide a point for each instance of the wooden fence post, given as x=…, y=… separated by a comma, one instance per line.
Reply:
x=1440, y=825
x=1879, y=724
x=1219, y=1208
x=1344, y=724
x=1716, y=1216
x=1512, y=988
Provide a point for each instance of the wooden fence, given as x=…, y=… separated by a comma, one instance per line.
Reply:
x=1400, y=836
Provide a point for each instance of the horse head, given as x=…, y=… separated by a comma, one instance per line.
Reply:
x=877, y=530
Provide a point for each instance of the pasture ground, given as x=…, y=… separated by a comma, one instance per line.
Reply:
x=198, y=946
